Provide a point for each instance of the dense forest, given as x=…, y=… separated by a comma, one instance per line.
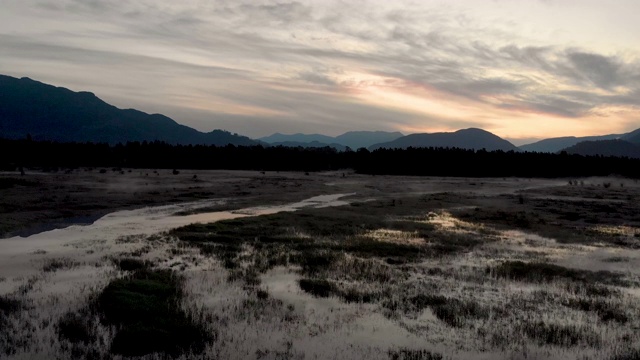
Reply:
x=18, y=154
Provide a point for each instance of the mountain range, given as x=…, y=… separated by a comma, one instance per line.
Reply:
x=606, y=145
x=46, y=112
x=52, y=113
x=616, y=147
x=311, y=144
x=464, y=139
x=352, y=139
x=557, y=144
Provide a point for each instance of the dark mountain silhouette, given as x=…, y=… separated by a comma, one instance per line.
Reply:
x=312, y=144
x=556, y=144
x=619, y=148
x=359, y=139
x=297, y=138
x=52, y=113
x=464, y=139
x=632, y=137
x=352, y=139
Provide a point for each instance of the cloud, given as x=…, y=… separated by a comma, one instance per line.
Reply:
x=317, y=64
x=602, y=71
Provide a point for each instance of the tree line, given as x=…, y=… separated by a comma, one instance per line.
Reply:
x=412, y=161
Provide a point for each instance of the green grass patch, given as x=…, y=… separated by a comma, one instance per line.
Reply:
x=145, y=308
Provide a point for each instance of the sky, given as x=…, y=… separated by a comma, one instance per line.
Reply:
x=522, y=69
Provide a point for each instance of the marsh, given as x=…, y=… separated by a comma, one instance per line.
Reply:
x=318, y=266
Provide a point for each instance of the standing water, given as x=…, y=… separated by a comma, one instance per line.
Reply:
x=92, y=242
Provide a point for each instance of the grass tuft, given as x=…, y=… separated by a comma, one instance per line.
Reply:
x=131, y=264
x=410, y=354
x=543, y=272
x=145, y=308
x=317, y=287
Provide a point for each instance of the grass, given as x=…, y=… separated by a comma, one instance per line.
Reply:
x=76, y=328
x=626, y=354
x=54, y=265
x=131, y=264
x=566, y=336
x=410, y=354
x=318, y=287
x=606, y=310
x=9, y=305
x=317, y=239
x=454, y=312
x=6, y=183
x=10, y=338
x=326, y=288
x=537, y=272
x=392, y=257
x=145, y=308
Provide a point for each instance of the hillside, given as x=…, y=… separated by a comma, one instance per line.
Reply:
x=632, y=137
x=620, y=148
x=556, y=144
x=297, y=138
x=312, y=144
x=360, y=139
x=352, y=139
x=465, y=139
x=52, y=113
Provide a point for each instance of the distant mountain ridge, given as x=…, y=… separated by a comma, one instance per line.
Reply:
x=298, y=138
x=620, y=145
x=617, y=147
x=53, y=113
x=632, y=137
x=312, y=144
x=352, y=139
x=472, y=138
x=559, y=143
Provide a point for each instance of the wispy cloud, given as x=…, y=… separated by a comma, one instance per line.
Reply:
x=264, y=66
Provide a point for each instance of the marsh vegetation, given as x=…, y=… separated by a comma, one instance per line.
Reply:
x=426, y=270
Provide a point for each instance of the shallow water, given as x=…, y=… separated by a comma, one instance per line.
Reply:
x=22, y=256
